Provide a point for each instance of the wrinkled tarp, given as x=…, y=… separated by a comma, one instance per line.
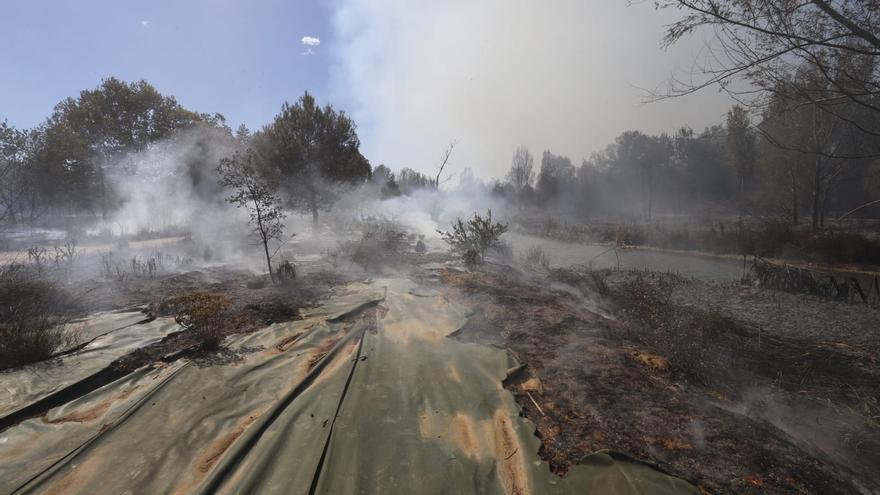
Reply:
x=111, y=335
x=344, y=401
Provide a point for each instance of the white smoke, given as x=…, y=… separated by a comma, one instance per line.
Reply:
x=499, y=73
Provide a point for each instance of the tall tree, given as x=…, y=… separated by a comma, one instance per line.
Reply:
x=88, y=135
x=312, y=151
x=522, y=169
x=555, y=179
x=640, y=155
x=741, y=147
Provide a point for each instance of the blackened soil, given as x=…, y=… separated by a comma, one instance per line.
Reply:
x=610, y=384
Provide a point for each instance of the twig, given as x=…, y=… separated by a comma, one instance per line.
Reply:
x=535, y=403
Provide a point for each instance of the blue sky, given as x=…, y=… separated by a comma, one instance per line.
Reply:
x=239, y=58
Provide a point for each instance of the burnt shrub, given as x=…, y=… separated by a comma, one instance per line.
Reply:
x=285, y=273
x=699, y=344
x=382, y=243
x=33, y=313
x=203, y=314
x=534, y=260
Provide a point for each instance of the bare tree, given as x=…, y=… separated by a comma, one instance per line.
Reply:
x=444, y=159
x=258, y=197
x=766, y=42
x=522, y=169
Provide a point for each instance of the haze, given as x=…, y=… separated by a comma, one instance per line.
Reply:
x=413, y=76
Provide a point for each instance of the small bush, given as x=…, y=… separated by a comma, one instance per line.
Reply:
x=473, y=238
x=421, y=247
x=382, y=243
x=205, y=314
x=535, y=260
x=33, y=311
x=285, y=273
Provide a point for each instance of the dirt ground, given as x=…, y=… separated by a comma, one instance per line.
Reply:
x=733, y=399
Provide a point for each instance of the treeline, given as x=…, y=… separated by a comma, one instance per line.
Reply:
x=789, y=161
x=71, y=162
x=65, y=164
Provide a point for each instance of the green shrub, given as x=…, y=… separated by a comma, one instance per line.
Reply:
x=474, y=237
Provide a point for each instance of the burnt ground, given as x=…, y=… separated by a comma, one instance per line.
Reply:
x=254, y=304
x=720, y=398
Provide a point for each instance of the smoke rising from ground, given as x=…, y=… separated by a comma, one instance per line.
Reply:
x=497, y=74
x=172, y=184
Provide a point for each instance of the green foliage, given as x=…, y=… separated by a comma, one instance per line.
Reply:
x=472, y=238
x=65, y=161
x=310, y=150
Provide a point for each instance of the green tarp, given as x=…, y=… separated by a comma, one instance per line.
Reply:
x=365, y=395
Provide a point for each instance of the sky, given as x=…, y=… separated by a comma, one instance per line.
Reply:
x=567, y=75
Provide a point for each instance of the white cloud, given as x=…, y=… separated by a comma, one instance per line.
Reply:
x=495, y=74
x=145, y=23
x=311, y=41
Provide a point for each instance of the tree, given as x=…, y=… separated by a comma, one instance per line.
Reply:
x=639, y=155
x=740, y=146
x=87, y=136
x=410, y=181
x=556, y=175
x=312, y=151
x=522, y=169
x=383, y=177
x=444, y=159
x=767, y=42
x=258, y=197
x=19, y=174
x=10, y=171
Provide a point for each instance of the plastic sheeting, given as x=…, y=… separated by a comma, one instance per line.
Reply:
x=111, y=336
x=349, y=400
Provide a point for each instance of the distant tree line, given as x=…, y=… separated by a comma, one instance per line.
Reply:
x=67, y=163
x=725, y=169
x=809, y=75
x=792, y=156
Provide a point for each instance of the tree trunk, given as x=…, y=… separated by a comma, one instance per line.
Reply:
x=817, y=192
x=795, y=217
x=268, y=259
x=265, y=239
